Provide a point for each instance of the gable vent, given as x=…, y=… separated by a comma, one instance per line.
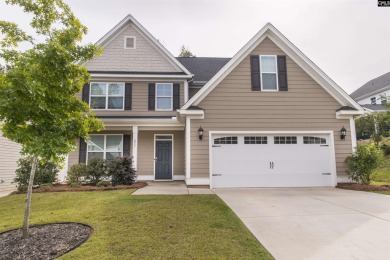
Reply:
x=129, y=42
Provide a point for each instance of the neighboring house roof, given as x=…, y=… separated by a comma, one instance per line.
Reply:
x=374, y=86
x=374, y=107
x=153, y=41
x=293, y=52
x=203, y=68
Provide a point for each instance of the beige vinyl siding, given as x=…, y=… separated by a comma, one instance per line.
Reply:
x=146, y=152
x=144, y=58
x=9, y=155
x=232, y=105
x=140, y=95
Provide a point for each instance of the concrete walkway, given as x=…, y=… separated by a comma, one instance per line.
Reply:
x=170, y=188
x=321, y=223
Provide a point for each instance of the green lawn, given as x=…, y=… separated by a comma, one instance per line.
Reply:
x=141, y=227
x=381, y=175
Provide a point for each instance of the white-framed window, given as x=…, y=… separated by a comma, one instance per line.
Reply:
x=130, y=42
x=107, y=95
x=269, y=73
x=285, y=140
x=104, y=146
x=313, y=140
x=164, y=96
x=226, y=140
x=255, y=140
x=373, y=101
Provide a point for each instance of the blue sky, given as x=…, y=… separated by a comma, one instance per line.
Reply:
x=348, y=40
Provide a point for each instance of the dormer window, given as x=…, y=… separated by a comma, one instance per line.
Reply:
x=130, y=42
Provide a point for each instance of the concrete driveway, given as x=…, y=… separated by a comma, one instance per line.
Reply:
x=318, y=223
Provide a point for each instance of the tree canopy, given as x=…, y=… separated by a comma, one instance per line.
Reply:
x=38, y=105
x=185, y=52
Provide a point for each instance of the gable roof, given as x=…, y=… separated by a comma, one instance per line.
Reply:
x=374, y=86
x=203, y=68
x=376, y=108
x=153, y=41
x=269, y=31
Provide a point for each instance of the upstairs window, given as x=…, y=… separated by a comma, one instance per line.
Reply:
x=164, y=96
x=130, y=42
x=373, y=101
x=107, y=95
x=269, y=75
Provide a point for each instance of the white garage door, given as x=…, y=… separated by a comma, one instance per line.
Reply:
x=271, y=161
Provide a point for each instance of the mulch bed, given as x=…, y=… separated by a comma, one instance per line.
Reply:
x=65, y=187
x=44, y=242
x=362, y=187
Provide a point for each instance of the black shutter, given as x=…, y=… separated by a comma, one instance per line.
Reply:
x=255, y=73
x=126, y=145
x=128, y=95
x=176, y=96
x=82, y=151
x=282, y=73
x=85, y=93
x=152, y=96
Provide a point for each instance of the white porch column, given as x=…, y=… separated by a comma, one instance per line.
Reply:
x=188, y=147
x=135, y=146
x=185, y=91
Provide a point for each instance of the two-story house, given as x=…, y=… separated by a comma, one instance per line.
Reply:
x=267, y=117
x=374, y=94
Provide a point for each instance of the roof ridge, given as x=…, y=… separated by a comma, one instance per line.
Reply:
x=205, y=57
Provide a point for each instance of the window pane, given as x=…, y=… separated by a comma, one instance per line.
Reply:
x=96, y=143
x=164, y=90
x=164, y=103
x=115, y=89
x=268, y=64
x=92, y=155
x=98, y=89
x=98, y=102
x=269, y=81
x=114, y=143
x=111, y=155
x=115, y=102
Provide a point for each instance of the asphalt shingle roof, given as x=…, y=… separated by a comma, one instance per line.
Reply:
x=375, y=107
x=372, y=86
x=203, y=68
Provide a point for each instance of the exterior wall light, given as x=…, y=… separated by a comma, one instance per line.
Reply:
x=343, y=133
x=200, y=132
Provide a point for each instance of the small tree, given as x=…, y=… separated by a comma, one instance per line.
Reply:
x=362, y=163
x=185, y=52
x=38, y=105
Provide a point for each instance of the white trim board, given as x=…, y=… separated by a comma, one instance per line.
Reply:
x=269, y=31
x=325, y=132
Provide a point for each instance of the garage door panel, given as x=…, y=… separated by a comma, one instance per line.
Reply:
x=272, y=164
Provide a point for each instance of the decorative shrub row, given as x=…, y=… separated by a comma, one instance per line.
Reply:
x=98, y=172
x=45, y=173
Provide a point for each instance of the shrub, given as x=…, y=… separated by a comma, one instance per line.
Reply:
x=361, y=164
x=385, y=148
x=103, y=184
x=77, y=173
x=74, y=184
x=121, y=171
x=96, y=170
x=45, y=172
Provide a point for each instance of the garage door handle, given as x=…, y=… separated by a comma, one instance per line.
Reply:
x=272, y=165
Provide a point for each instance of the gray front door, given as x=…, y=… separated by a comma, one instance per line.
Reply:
x=163, y=160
